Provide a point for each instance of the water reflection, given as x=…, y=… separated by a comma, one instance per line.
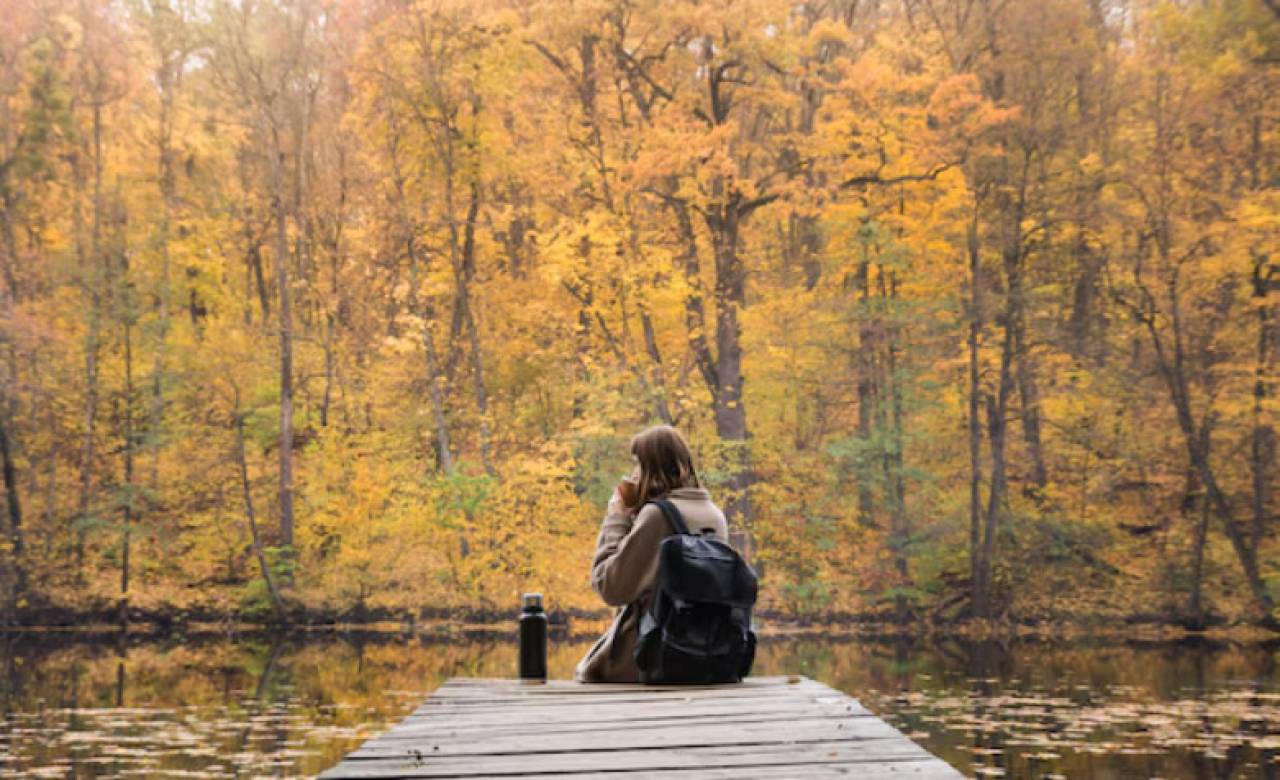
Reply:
x=77, y=706
x=1073, y=710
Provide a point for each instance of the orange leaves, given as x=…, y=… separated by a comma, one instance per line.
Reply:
x=557, y=206
x=958, y=109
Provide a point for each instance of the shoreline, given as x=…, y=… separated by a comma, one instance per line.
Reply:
x=467, y=624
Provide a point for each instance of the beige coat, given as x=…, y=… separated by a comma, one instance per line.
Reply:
x=623, y=572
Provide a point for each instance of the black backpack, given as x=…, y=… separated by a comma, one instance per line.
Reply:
x=697, y=626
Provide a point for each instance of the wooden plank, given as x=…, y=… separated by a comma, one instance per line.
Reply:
x=441, y=742
x=536, y=694
x=630, y=704
x=536, y=710
x=522, y=698
x=779, y=712
x=887, y=770
x=652, y=760
x=769, y=727
x=506, y=685
x=533, y=706
x=913, y=770
x=611, y=715
x=574, y=726
x=570, y=688
x=795, y=696
x=600, y=702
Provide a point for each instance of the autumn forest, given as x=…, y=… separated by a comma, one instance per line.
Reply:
x=325, y=309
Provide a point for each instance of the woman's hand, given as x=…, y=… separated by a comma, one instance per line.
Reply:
x=616, y=507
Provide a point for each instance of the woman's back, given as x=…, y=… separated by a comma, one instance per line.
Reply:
x=625, y=565
x=622, y=573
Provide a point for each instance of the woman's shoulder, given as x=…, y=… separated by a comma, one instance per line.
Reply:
x=690, y=494
x=648, y=512
x=684, y=499
x=694, y=504
x=650, y=522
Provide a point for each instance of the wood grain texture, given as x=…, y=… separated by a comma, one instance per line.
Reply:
x=766, y=727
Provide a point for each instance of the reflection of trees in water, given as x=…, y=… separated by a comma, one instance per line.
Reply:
x=288, y=700
x=256, y=705
x=122, y=654
x=71, y=671
x=210, y=669
x=985, y=703
x=12, y=681
x=323, y=689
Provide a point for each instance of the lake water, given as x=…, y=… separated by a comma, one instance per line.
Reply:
x=77, y=706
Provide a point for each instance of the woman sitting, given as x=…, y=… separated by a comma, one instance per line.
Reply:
x=626, y=559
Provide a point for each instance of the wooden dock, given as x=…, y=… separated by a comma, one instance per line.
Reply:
x=765, y=727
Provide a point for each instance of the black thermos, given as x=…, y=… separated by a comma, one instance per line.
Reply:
x=533, y=638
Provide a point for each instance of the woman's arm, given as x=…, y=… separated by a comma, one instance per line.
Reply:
x=626, y=553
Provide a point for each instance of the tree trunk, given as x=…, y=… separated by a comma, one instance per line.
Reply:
x=482, y=395
x=729, y=411
x=1029, y=395
x=16, y=551
x=657, y=380
x=806, y=244
x=1016, y=325
x=10, y=267
x=997, y=427
x=254, y=259
x=281, y=267
x=92, y=345
x=1246, y=554
x=1087, y=324
x=166, y=75
x=464, y=276
x=88, y=439
x=1195, y=600
x=326, y=397
x=128, y=443
x=444, y=455
x=895, y=487
x=336, y=303
x=976, y=560
x=695, y=315
x=8, y=413
x=1262, y=444
x=1171, y=362
x=866, y=390
x=51, y=492
x=1173, y=370
x=443, y=449
x=250, y=515
x=1083, y=322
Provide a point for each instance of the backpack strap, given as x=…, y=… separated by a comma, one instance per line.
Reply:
x=673, y=514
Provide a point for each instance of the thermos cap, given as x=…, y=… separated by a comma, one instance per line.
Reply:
x=529, y=600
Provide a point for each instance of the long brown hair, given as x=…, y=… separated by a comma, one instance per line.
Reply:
x=665, y=462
